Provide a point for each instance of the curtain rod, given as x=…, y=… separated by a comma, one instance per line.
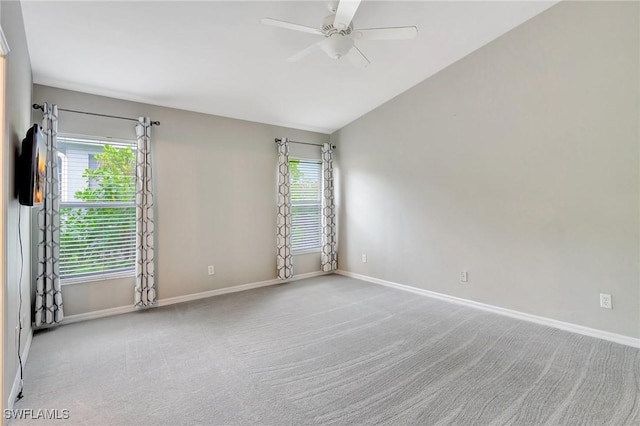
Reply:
x=278, y=140
x=40, y=107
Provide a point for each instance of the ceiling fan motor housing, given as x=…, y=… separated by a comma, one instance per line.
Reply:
x=329, y=29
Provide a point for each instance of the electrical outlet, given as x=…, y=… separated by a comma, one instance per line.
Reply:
x=464, y=277
x=605, y=301
x=211, y=270
x=364, y=258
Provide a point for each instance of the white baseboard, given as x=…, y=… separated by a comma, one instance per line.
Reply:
x=236, y=288
x=15, y=388
x=186, y=298
x=574, y=328
x=97, y=314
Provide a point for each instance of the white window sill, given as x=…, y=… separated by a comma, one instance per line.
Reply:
x=306, y=251
x=97, y=277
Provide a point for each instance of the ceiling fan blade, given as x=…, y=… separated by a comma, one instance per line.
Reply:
x=344, y=14
x=391, y=33
x=304, y=52
x=357, y=58
x=289, y=26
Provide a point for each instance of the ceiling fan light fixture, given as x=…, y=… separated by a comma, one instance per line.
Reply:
x=336, y=46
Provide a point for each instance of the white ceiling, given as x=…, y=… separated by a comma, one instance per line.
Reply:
x=215, y=57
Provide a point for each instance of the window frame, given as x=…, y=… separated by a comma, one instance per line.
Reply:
x=318, y=249
x=100, y=141
x=62, y=175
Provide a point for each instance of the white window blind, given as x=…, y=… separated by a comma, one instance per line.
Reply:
x=97, y=209
x=306, y=204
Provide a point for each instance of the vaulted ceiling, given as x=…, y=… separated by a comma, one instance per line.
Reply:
x=215, y=57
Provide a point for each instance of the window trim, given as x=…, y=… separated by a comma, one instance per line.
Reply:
x=81, y=279
x=96, y=141
x=63, y=175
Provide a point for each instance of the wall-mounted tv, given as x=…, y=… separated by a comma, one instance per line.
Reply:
x=32, y=168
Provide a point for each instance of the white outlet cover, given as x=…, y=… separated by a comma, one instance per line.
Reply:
x=606, y=301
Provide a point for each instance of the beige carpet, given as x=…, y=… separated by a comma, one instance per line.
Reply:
x=328, y=350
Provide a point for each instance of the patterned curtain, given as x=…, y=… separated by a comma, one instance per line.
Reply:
x=48, y=303
x=283, y=241
x=329, y=257
x=145, y=291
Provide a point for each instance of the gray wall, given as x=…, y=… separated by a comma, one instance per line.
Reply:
x=18, y=104
x=215, y=197
x=519, y=163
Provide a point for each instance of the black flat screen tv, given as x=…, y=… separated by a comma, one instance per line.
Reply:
x=32, y=168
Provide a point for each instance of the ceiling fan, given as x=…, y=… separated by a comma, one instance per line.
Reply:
x=339, y=34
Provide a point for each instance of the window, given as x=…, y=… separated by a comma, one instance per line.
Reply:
x=93, y=161
x=306, y=205
x=97, y=209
